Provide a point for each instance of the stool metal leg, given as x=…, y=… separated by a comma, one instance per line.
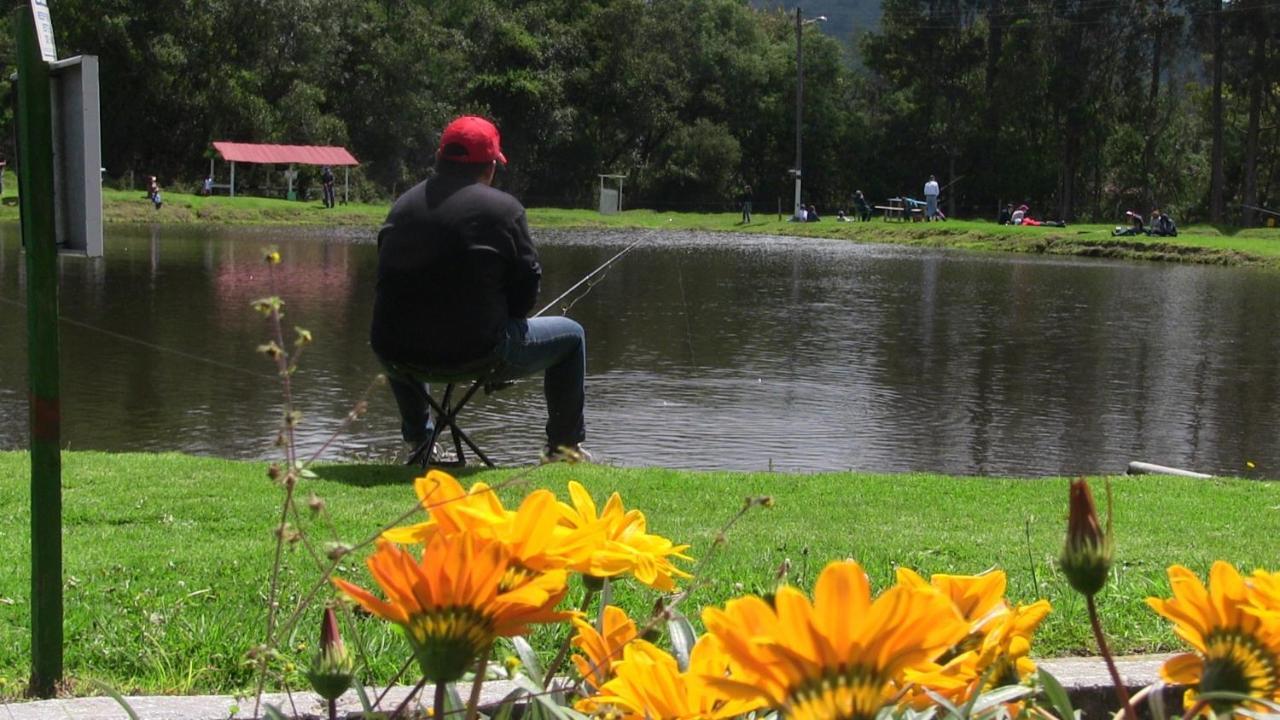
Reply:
x=446, y=416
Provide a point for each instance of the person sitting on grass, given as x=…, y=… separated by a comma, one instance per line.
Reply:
x=811, y=214
x=1135, y=226
x=1162, y=225
x=1023, y=216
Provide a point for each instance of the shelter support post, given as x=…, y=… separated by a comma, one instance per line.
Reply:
x=35, y=172
x=233, y=178
x=346, y=185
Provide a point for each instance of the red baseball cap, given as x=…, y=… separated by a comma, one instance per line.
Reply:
x=471, y=139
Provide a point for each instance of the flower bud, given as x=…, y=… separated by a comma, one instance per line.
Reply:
x=1086, y=559
x=331, y=669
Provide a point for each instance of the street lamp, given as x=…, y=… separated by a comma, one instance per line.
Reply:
x=799, y=213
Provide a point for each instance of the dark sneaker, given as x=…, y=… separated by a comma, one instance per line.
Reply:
x=565, y=453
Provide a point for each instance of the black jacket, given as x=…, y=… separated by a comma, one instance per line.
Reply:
x=455, y=262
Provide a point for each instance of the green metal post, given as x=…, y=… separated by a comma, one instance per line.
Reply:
x=35, y=185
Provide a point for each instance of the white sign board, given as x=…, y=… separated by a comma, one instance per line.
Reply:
x=44, y=29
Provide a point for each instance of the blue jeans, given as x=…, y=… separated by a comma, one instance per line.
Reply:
x=931, y=207
x=556, y=345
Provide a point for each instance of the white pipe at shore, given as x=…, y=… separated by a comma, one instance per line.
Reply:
x=1142, y=468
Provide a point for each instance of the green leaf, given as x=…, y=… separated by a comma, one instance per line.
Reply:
x=683, y=638
x=528, y=658
x=547, y=702
x=1000, y=696
x=114, y=695
x=453, y=705
x=364, y=697
x=945, y=704
x=273, y=713
x=1155, y=700
x=1056, y=694
x=506, y=706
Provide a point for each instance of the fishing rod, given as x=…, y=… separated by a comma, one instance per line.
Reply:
x=604, y=266
x=1260, y=209
x=953, y=182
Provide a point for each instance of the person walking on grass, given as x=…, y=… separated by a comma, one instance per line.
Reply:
x=745, y=200
x=458, y=275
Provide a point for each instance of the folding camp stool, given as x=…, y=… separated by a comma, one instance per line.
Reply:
x=445, y=411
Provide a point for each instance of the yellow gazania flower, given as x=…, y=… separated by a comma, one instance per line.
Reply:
x=626, y=546
x=841, y=658
x=978, y=598
x=532, y=533
x=449, y=602
x=602, y=650
x=1002, y=657
x=998, y=643
x=648, y=685
x=1236, y=646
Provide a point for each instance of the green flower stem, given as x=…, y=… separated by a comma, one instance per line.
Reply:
x=1122, y=692
x=333, y=709
x=554, y=667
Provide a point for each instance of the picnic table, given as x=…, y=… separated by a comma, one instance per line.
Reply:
x=901, y=208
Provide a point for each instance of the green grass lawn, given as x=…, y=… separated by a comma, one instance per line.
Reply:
x=167, y=557
x=1204, y=244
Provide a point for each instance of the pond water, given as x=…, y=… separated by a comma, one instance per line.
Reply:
x=704, y=351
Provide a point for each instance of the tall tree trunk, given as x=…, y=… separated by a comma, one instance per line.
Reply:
x=1255, y=121
x=1217, y=177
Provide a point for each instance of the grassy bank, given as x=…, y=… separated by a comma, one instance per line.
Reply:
x=1196, y=244
x=167, y=556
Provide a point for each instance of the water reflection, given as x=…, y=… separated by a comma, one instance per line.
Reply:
x=706, y=351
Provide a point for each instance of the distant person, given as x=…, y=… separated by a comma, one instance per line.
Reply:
x=863, y=207
x=153, y=192
x=931, y=199
x=745, y=201
x=1136, y=226
x=326, y=181
x=811, y=214
x=207, y=188
x=1018, y=215
x=1162, y=225
x=841, y=217
x=1006, y=215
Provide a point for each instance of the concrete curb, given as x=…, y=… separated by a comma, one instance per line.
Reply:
x=1085, y=678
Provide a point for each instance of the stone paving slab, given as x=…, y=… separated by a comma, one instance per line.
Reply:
x=1086, y=678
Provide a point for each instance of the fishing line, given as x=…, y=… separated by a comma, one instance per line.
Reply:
x=587, y=279
x=146, y=344
x=684, y=305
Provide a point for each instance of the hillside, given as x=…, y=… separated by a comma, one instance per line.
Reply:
x=845, y=18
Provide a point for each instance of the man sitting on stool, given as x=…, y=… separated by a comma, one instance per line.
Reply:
x=457, y=276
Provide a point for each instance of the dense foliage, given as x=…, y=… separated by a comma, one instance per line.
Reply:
x=1081, y=108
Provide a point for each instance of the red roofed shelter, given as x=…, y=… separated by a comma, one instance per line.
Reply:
x=234, y=152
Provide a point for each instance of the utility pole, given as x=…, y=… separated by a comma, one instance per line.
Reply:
x=799, y=209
